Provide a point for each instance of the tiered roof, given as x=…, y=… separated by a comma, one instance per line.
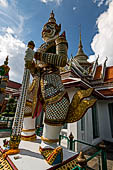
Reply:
x=79, y=73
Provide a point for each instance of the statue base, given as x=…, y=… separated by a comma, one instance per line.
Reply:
x=30, y=157
x=29, y=138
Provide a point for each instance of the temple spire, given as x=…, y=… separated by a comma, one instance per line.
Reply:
x=80, y=50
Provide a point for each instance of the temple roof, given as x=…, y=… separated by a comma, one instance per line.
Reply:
x=98, y=72
x=100, y=77
x=109, y=74
x=107, y=92
x=14, y=85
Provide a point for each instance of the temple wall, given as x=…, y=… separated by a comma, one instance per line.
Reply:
x=85, y=132
x=104, y=120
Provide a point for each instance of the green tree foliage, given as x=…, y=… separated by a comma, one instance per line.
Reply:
x=10, y=108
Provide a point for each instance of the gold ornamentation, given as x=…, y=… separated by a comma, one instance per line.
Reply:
x=14, y=141
x=68, y=164
x=12, y=152
x=81, y=94
x=55, y=98
x=81, y=160
x=50, y=155
x=5, y=162
x=29, y=103
x=49, y=140
x=79, y=106
x=45, y=151
x=32, y=85
x=33, y=90
x=5, y=79
x=28, y=130
x=2, y=90
x=29, y=138
x=75, y=114
x=35, y=95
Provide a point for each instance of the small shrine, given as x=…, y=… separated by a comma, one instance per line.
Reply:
x=4, y=77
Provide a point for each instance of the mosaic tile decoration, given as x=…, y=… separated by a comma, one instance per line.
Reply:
x=68, y=164
x=6, y=163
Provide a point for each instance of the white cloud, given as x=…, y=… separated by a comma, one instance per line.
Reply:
x=101, y=2
x=15, y=49
x=74, y=8
x=10, y=17
x=58, y=2
x=107, y=2
x=4, y=3
x=11, y=27
x=7, y=30
x=102, y=43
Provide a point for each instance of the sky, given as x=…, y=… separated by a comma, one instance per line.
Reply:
x=23, y=20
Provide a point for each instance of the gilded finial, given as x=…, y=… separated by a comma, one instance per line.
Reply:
x=6, y=61
x=97, y=59
x=52, y=19
x=106, y=59
x=52, y=14
x=81, y=160
x=80, y=50
x=80, y=41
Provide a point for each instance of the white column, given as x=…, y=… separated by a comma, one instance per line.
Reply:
x=50, y=136
x=28, y=131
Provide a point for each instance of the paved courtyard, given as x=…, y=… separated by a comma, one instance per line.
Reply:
x=95, y=161
x=25, y=151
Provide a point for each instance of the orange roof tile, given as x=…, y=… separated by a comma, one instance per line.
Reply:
x=67, y=80
x=109, y=74
x=107, y=92
x=98, y=72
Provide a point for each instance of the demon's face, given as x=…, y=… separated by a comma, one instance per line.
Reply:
x=49, y=31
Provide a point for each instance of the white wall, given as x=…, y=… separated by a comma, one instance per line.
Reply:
x=87, y=134
x=72, y=127
x=104, y=122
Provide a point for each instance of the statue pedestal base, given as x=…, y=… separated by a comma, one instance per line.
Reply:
x=29, y=156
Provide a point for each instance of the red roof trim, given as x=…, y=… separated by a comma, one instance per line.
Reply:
x=13, y=85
